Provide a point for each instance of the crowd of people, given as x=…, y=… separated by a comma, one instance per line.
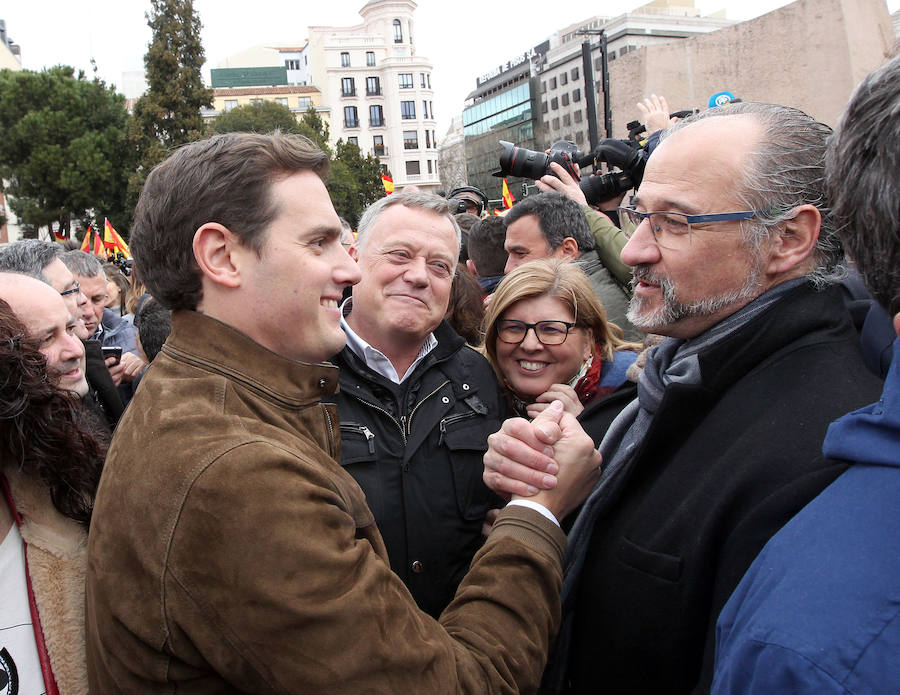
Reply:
x=557, y=451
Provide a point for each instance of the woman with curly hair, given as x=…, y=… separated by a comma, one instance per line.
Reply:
x=50, y=463
x=547, y=337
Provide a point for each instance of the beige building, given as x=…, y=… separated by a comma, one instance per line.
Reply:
x=297, y=99
x=809, y=54
x=380, y=90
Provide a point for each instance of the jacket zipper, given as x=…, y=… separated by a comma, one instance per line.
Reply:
x=362, y=429
x=450, y=420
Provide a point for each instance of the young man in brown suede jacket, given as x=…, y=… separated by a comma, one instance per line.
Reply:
x=229, y=551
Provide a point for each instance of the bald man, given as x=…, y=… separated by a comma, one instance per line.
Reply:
x=50, y=321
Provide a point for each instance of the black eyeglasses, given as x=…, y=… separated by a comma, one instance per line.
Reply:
x=547, y=332
x=72, y=290
x=672, y=230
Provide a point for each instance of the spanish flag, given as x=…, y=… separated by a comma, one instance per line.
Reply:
x=388, y=184
x=86, y=242
x=508, y=199
x=112, y=241
x=98, y=246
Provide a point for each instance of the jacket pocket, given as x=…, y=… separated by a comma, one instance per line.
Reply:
x=661, y=565
x=359, y=460
x=465, y=436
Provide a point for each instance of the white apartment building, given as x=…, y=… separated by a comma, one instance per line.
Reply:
x=379, y=90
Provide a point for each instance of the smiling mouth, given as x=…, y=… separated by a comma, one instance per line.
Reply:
x=530, y=366
x=329, y=303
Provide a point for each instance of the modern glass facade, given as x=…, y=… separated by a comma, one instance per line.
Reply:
x=501, y=114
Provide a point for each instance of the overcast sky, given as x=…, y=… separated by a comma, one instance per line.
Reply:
x=462, y=39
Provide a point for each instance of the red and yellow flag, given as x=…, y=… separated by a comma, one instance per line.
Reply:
x=508, y=199
x=86, y=242
x=98, y=246
x=388, y=184
x=112, y=241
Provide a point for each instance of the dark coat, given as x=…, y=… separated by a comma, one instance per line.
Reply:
x=724, y=465
x=416, y=450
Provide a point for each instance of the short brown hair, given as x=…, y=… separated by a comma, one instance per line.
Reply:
x=225, y=179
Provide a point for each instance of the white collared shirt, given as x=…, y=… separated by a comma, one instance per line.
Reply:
x=376, y=360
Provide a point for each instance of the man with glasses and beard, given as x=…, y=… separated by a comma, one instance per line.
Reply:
x=734, y=255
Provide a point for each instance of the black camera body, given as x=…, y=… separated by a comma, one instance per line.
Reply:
x=627, y=155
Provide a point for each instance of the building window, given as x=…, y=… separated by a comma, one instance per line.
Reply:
x=378, y=145
x=304, y=102
x=579, y=137
x=575, y=73
x=230, y=104
x=431, y=108
x=427, y=139
x=353, y=140
x=345, y=60
x=567, y=120
x=398, y=32
x=281, y=100
x=552, y=83
x=424, y=109
x=373, y=86
x=422, y=79
x=412, y=168
x=256, y=102
x=351, y=120
x=428, y=79
x=407, y=110
x=554, y=103
x=376, y=116
x=406, y=80
x=370, y=59
x=429, y=166
x=564, y=79
x=565, y=99
x=348, y=87
x=555, y=124
x=410, y=140
x=576, y=95
x=578, y=116
x=292, y=64
x=544, y=87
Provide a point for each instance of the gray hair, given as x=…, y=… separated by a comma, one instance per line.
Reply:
x=29, y=257
x=862, y=168
x=559, y=217
x=415, y=201
x=787, y=169
x=81, y=263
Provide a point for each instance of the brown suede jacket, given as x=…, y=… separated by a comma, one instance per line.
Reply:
x=230, y=553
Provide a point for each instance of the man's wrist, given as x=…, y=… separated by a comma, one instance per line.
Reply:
x=536, y=506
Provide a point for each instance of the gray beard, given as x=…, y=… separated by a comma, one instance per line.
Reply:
x=673, y=310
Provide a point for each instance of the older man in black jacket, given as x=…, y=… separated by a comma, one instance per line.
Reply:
x=416, y=404
x=732, y=254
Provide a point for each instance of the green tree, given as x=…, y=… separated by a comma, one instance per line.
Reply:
x=168, y=114
x=354, y=181
x=263, y=117
x=64, y=150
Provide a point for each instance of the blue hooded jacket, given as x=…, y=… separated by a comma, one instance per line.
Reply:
x=819, y=609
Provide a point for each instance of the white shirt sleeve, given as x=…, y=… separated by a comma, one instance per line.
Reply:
x=540, y=508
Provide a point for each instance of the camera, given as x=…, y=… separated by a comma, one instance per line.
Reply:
x=461, y=199
x=627, y=155
x=124, y=264
x=528, y=164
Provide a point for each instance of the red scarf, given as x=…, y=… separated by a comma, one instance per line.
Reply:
x=588, y=387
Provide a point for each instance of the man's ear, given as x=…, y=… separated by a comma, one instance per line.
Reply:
x=795, y=243
x=215, y=250
x=354, y=252
x=569, y=249
x=471, y=266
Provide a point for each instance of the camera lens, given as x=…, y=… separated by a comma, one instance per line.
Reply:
x=522, y=162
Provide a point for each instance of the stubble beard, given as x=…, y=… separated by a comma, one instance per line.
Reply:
x=673, y=310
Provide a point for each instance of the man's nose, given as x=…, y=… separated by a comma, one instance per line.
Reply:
x=641, y=248
x=416, y=271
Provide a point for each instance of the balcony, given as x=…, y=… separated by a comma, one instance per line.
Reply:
x=377, y=123
x=380, y=150
x=348, y=92
x=351, y=123
x=375, y=93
